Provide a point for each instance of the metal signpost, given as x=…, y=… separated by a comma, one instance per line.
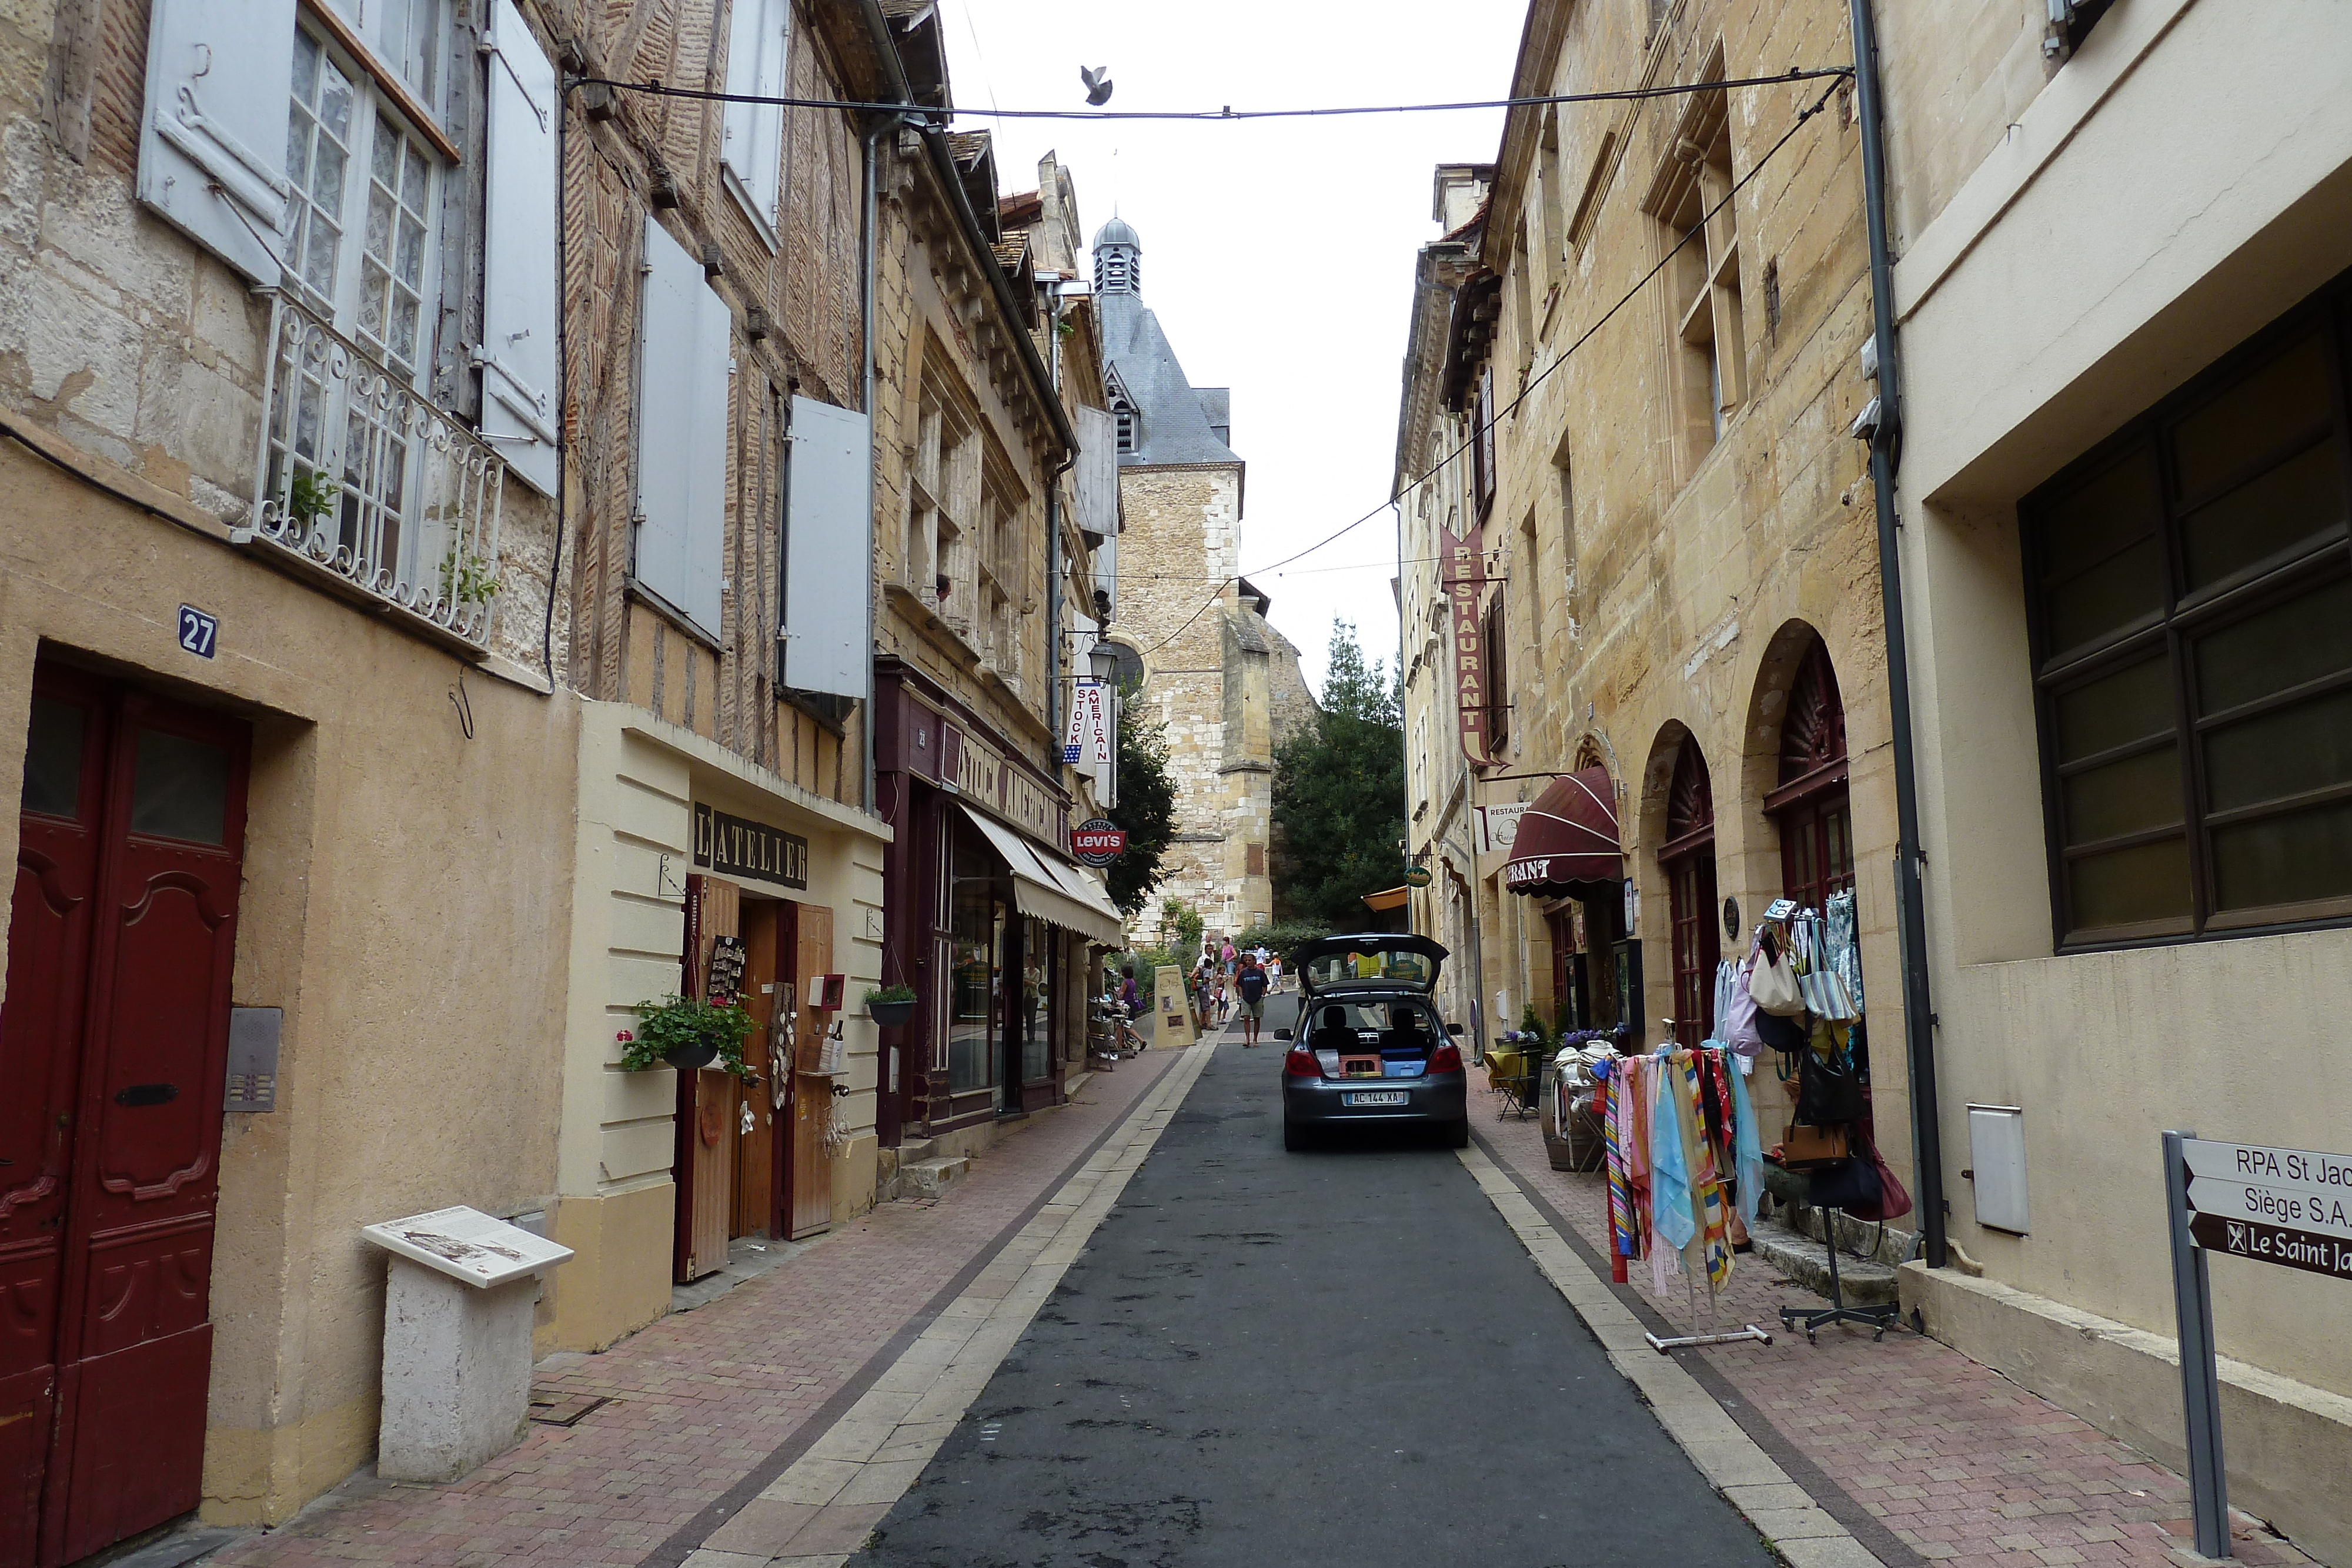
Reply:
x=2291, y=1208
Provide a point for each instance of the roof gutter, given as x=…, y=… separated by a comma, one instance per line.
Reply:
x=877, y=32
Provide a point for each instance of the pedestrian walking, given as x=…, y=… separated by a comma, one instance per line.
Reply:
x=1251, y=984
x=1198, y=985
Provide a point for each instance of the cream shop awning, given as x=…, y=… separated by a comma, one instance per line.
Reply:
x=1051, y=892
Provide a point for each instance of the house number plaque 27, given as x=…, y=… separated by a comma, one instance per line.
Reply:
x=199, y=632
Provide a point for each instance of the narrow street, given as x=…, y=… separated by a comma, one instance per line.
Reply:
x=1337, y=1357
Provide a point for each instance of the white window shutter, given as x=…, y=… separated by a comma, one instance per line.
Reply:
x=827, y=568
x=518, y=297
x=212, y=144
x=754, y=145
x=684, y=337
x=1097, y=471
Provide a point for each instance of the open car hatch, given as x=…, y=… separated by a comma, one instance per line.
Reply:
x=1368, y=961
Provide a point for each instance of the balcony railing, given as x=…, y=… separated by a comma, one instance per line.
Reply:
x=364, y=480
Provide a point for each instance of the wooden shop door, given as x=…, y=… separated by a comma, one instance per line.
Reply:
x=758, y=1190
x=113, y=1044
x=808, y=1181
x=706, y=1110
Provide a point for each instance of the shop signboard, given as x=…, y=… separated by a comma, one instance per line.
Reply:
x=1498, y=826
x=736, y=846
x=1417, y=876
x=2291, y=1207
x=1087, y=745
x=1097, y=841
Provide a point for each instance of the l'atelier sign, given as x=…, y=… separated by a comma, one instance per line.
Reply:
x=732, y=846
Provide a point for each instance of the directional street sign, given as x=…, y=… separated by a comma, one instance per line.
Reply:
x=2288, y=1206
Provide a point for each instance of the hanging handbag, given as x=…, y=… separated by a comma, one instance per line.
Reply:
x=1772, y=981
x=1784, y=1034
x=1826, y=996
x=1804, y=1148
x=1829, y=1090
x=1735, y=1023
x=1894, y=1202
x=1850, y=1184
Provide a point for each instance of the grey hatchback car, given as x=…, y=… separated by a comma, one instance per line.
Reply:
x=1371, y=1049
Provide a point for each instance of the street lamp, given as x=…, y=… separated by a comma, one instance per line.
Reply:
x=1104, y=660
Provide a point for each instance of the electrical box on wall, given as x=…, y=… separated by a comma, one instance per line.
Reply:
x=1997, y=1166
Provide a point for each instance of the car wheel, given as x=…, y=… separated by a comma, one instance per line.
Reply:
x=1295, y=1138
x=1456, y=1134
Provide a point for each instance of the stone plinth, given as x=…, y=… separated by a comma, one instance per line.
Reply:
x=457, y=1372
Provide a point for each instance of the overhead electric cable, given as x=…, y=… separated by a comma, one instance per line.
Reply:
x=1533, y=382
x=1206, y=116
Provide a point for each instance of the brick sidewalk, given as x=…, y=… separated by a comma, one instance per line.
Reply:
x=1961, y=1465
x=706, y=1403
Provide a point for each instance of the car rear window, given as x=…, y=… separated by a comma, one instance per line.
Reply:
x=1386, y=1027
x=1355, y=968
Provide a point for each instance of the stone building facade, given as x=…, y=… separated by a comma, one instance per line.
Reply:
x=1626, y=402
x=2110, y=392
x=1224, y=683
x=988, y=501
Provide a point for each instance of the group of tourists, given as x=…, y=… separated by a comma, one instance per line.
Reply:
x=1224, y=979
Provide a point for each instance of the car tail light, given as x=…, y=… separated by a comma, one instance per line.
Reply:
x=1301, y=1063
x=1446, y=1057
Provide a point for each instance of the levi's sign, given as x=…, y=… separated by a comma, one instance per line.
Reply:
x=2288, y=1206
x=1097, y=841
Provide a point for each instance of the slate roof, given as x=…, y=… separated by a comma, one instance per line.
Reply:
x=1177, y=426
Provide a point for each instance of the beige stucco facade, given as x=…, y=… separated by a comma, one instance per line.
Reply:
x=2078, y=236
x=615, y=1201
x=396, y=878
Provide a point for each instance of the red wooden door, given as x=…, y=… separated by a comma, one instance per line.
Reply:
x=114, y=1043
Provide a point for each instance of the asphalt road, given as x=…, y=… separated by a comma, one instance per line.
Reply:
x=1338, y=1358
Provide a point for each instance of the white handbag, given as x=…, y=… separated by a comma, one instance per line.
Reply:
x=1773, y=983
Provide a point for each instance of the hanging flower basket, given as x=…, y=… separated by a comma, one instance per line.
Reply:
x=891, y=1006
x=686, y=1035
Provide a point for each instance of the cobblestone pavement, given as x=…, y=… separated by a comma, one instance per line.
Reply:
x=711, y=1402
x=1955, y=1462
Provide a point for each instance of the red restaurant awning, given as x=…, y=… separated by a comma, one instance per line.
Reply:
x=1566, y=842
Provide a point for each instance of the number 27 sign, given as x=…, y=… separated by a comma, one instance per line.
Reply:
x=199, y=632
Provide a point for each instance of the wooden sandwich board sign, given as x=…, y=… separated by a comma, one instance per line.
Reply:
x=2290, y=1207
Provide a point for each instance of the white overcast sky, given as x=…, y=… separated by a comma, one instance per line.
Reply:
x=1278, y=253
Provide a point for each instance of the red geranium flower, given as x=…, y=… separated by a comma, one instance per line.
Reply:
x=624, y=1037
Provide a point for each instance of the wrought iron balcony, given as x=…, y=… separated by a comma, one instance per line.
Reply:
x=367, y=486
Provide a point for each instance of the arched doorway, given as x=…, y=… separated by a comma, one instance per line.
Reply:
x=1809, y=803
x=1687, y=858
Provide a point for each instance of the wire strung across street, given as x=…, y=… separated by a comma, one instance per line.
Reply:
x=1533, y=382
x=1204, y=116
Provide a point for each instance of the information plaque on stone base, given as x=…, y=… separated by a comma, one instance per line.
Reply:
x=469, y=1245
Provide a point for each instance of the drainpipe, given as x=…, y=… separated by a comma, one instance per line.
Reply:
x=881, y=126
x=1885, y=451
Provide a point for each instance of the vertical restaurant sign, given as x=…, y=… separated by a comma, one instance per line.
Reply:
x=1089, y=743
x=1462, y=572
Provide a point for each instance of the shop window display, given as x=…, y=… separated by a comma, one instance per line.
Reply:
x=976, y=936
x=1810, y=805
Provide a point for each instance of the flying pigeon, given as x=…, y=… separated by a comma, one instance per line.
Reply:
x=1097, y=81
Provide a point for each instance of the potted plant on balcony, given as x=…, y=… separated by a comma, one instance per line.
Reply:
x=890, y=1006
x=679, y=1032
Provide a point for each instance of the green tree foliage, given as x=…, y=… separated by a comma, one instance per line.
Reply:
x=1147, y=803
x=1338, y=794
